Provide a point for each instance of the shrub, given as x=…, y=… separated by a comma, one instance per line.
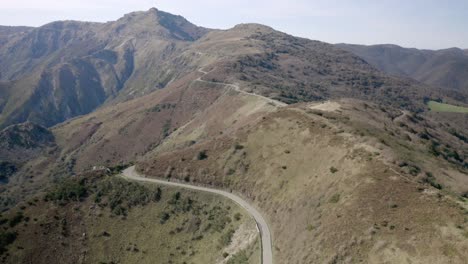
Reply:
x=175, y=198
x=333, y=169
x=465, y=195
x=238, y=216
x=68, y=190
x=432, y=181
x=157, y=195
x=335, y=198
x=6, y=238
x=202, y=155
x=16, y=219
x=238, y=146
x=414, y=170
x=226, y=238
x=239, y=258
x=164, y=217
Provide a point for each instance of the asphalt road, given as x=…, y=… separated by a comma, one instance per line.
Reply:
x=267, y=254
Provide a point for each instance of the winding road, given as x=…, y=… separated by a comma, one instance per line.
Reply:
x=239, y=90
x=265, y=235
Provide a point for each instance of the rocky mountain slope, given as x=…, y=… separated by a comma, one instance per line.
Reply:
x=69, y=68
x=445, y=69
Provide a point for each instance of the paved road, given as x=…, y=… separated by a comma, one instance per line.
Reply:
x=267, y=255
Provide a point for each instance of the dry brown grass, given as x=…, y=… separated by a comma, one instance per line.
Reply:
x=367, y=210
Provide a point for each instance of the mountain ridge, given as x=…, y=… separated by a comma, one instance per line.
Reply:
x=446, y=68
x=344, y=161
x=68, y=68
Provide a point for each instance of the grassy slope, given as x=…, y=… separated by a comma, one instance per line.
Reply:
x=100, y=230
x=330, y=183
x=441, y=107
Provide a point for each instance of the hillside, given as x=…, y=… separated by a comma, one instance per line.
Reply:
x=444, y=69
x=312, y=168
x=22, y=143
x=81, y=221
x=344, y=161
x=315, y=165
x=69, y=68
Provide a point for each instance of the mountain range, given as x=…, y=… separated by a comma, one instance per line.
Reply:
x=443, y=69
x=65, y=69
x=334, y=144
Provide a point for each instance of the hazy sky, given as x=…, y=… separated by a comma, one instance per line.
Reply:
x=432, y=24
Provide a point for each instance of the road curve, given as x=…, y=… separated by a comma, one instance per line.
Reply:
x=239, y=90
x=265, y=235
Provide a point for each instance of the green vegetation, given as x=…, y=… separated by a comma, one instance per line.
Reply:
x=430, y=179
x=18, y=218
x=335, y=198
x=67, y=190
x=166, y=128
x=6, y=169
x=238, y=216
x=115, y=193
x=202, y=155
x=162, y=224
x=441, y=107
x=226, y=238
x=333, y=170
x=6, y=238
x=239, y=258
x=159, y=107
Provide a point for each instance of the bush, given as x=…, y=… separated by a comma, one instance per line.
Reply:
x=238, y=146
x=226, y=238
x=16, y=219
x=202, y=155
x=164, y=217
x=68, y=190
x=335, y=198
x=6, y=238
x=157, y=195
x=238, y=216
x=239, y=258
x=432, y=181
x=333, y=169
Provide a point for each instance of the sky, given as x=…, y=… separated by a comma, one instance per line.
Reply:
x=424, y=24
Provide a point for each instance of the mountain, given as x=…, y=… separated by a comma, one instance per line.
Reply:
x=343, y=160
x=7, y=33
x=445, y=69
x=68, y=68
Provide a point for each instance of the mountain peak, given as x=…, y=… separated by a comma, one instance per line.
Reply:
x=163, y=22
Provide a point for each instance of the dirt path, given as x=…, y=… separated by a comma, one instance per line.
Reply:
x=238, y=89
x=265, y=235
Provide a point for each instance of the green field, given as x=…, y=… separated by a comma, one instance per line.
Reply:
x=441, y=107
